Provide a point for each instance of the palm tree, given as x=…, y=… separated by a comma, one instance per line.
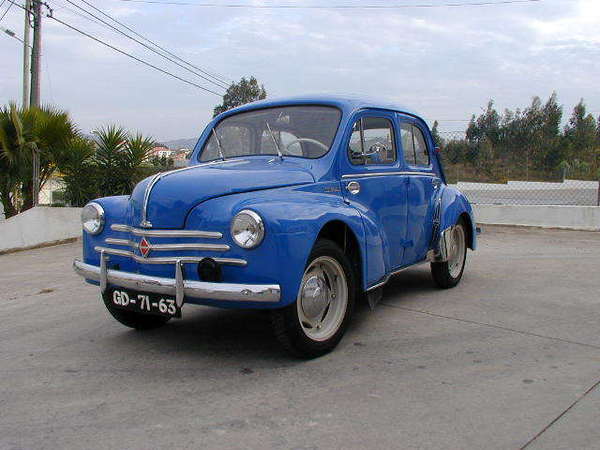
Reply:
x=138, y=153
x=78, y=171
x=47, y=131
x=119, y=157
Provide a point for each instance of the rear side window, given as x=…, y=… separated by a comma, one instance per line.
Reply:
x=372, y=142
x=414, y=146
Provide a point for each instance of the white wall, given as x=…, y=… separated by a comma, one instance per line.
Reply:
x=43, y=225
x=40, y=225
x=569, y=217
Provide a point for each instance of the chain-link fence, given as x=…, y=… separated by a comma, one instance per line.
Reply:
x=487, y=173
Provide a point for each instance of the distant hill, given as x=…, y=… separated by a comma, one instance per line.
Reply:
x=176, y=144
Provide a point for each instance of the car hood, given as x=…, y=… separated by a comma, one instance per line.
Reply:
x=173, y=194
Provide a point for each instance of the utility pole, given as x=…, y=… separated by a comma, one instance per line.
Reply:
x=36, y=62
x=36, y=54
x=26, y=55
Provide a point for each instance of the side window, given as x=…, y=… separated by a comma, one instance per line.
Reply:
x=421, y=153
x=372, y=142
x=355, y=145
x=414, y=146
x=407, y=143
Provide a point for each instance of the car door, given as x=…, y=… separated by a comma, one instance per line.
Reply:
x=423, y=187
x=371, y=182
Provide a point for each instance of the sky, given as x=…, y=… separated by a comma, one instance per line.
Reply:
x=444, y=62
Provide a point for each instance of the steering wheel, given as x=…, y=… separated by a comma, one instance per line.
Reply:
x=312, y=141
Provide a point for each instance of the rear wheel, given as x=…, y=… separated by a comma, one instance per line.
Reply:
x=447, y=274
x=132, y=319
x=316, y=322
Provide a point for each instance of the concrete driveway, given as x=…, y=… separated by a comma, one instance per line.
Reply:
x=510, y=358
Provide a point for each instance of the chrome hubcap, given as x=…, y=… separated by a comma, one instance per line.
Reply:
x=323, y=298
x=456, y=256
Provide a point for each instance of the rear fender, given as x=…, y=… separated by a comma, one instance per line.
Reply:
x=455, y=205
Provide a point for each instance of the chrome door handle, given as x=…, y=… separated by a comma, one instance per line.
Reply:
x=353, y=187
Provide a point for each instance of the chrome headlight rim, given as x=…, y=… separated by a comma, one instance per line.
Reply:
x=100, y=218
x=259, y=225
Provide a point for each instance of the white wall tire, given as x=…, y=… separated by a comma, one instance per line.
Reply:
x=448, y=274
x=315, y=323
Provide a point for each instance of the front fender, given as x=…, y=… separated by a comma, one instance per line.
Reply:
x=453, y=205
x=293, y=218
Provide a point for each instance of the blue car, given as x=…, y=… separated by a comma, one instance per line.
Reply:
x=302, y=206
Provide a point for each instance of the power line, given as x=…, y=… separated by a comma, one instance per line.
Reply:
x=216, y=76
x=7, y=10
x=414, y=5
x=191, y=83
x=218, y=83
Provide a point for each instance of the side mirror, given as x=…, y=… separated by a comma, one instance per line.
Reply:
x=437, y=149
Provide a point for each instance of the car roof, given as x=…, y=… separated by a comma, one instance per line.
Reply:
x=348, y=104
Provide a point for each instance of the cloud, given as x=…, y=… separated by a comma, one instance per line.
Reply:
x=444, y=62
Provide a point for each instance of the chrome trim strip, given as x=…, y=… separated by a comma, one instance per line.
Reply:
x=179, y=284
x=103, y=271
x=166, y=233
x=264, y=293
x=123, y=242
x=145, y=223
x=170, y=247
x=380, y=174
x=169, y=259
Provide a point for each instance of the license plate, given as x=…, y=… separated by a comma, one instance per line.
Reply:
x=144, y=303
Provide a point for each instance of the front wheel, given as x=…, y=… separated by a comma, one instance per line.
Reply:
x=447, y=274
x=316, y=322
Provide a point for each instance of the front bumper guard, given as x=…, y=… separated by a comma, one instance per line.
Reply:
x=178, y=286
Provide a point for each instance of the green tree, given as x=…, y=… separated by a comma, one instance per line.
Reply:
x=438, y=140
x=246, y=91
x=119, y=159
x=79, y=173
x=580, y=135
x=47, y=131
x=112, y=165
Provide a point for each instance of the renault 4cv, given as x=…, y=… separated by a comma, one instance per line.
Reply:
x=301, y=206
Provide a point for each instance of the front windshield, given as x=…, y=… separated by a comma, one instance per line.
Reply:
x=300, y=131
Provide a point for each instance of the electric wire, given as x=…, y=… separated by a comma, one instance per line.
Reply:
x=212, y=74
x=118, y=50
x=219, y=84
x=191, y=83
x=7, y=10
x=396, y=6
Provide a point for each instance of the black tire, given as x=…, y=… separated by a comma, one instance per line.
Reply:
x=132, y=319
x=440, y=271
x=287, y=323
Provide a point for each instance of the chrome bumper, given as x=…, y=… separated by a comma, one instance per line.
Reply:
x=177, y=287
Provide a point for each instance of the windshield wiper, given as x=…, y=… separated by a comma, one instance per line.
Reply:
x=275, y=143
x=219, y=144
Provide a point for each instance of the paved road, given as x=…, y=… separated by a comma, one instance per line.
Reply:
x=511, y=354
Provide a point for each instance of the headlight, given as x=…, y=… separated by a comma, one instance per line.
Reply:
x=92, y=218
x=247, y=229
